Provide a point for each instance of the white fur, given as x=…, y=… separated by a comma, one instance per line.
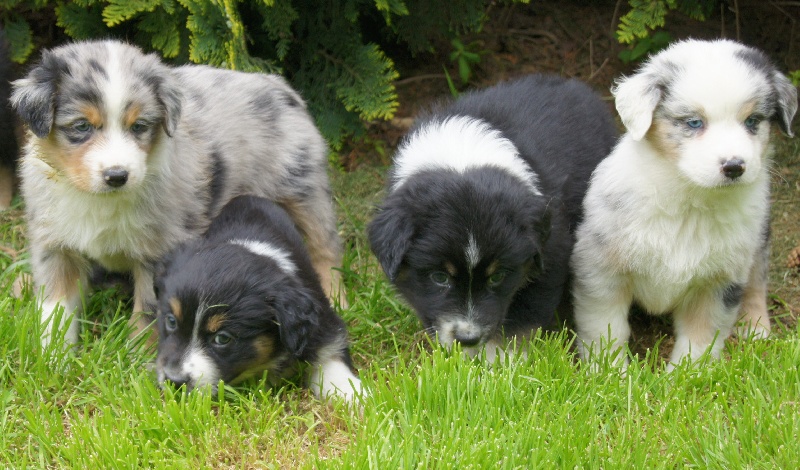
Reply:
x=329, y=376
x=68, y=314
x=280, y=256
x=460, y=143
x=199, y=368
x=472, y=252
x=448, y=328
x=672, y=232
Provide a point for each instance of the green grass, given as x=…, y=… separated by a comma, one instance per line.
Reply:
x=99, y=407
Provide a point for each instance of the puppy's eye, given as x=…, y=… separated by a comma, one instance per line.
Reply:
x=496, y=278
x=171, y=322
x=221, y=339
x=440, y=278
x=82, y=126
x=695, y=123
x=140, y=127
x=752, y=122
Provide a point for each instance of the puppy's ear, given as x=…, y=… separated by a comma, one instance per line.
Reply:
x=636, y=97
x=390, y=235
x=34, y=96
x=787, y=102
x=168, y=93
x=297, y=312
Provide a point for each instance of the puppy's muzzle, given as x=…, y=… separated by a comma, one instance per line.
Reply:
x=468, y=338
x=733, y=168
x=116, y=176
x=177, y=380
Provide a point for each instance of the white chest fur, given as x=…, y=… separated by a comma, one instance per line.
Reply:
x=665, y=235
x=115, y=229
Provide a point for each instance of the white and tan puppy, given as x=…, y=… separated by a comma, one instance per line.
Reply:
x=128, y=157
x=677, y=217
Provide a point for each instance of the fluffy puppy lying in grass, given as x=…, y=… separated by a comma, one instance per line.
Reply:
x=476, y=229
x=677, y=217
x=244, y=299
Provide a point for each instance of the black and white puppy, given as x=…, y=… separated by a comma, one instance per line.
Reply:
x=243, y=299
x=677, y=217
x=475, y=231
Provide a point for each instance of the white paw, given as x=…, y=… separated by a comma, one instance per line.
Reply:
x=750, y=331
x=334, y=378
x=56, y=319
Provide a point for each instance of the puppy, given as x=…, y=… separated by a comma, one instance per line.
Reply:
x=128, y=157
x=475, y=232
x=244, y=299
x=8, y=140
x=677, y=217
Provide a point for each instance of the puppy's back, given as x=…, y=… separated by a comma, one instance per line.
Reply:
x=257, y=219
x=561, y=127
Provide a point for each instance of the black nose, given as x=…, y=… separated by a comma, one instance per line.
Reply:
x=468, y=339
x=115, y=176
x=733, y=168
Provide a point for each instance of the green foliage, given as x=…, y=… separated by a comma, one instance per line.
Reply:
x=19, y=35
x=647, y=45
x=465, y=56
x=795, y=77
x=319, y=46
x=648, y=15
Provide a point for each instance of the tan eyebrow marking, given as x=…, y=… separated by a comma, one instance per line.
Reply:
x=216, y=322
x=175, y=305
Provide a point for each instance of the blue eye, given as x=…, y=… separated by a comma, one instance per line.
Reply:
x=139, y=127
x=221, y=339
x=694, y=123
x=440, y=278
x=171, y=322
x=752, y=122
x=82, y=125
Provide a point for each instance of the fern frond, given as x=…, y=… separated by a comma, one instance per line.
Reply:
x=645, y=15
x=279, y=16
x=366, y=85
x=20, y=37
x=161, y=31
x=81, y=21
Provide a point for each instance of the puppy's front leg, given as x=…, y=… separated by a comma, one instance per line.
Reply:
x=754, y=319
x=144, y=305
x=331, y=374
x=601, y=307
x=60, y=277
x=703, y=321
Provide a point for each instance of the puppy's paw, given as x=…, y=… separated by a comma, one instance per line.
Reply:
x=334, y=379
x=59, y=325
x=747, y=330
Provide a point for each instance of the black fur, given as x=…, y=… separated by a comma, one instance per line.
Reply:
x=562, y=130
x=732, y=295
x=257, y=297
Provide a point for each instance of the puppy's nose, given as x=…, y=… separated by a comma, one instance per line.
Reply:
x=733, y=168
x=177, y=381
x=468, y=339
x=115, y=176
